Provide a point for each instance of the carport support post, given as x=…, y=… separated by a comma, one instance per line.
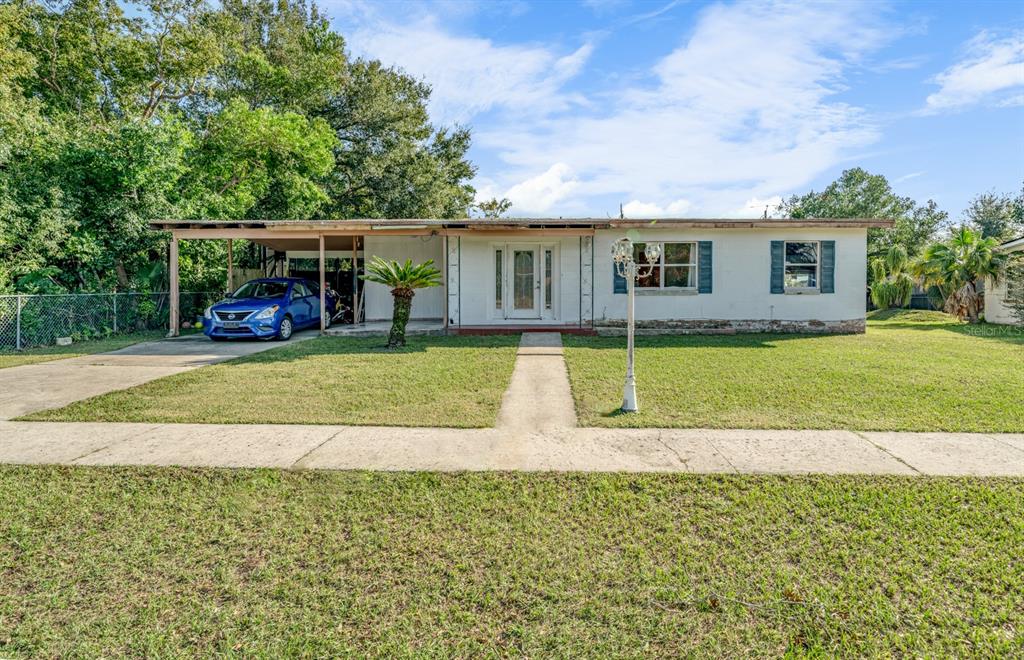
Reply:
x=323, y=292
x=355, y=279
x=172, y=257
x=231, y=267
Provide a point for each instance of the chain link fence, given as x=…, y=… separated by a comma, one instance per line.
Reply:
x=27, y=321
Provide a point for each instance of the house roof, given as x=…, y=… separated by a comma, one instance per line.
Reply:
x=1013, y=245
x=369, y=225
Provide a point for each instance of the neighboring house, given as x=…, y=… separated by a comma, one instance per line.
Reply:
x=996, y=310
x=789, y=275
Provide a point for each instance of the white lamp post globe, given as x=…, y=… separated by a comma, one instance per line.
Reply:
x=653, y=252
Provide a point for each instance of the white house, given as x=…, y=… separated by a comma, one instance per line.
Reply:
x=996, y=310
x=787, y=275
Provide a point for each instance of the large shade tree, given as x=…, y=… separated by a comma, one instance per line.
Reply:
x=239, y=110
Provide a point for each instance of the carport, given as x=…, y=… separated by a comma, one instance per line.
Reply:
x=280, y=237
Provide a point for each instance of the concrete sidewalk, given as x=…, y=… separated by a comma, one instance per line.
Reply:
x=57, y=383
x=580, y=449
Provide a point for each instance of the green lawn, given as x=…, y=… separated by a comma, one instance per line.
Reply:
x=435, y=381
x=915, y=371
x=89, y=347
x=171, y=562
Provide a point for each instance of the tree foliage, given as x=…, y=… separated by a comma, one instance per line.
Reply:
x=248, y=109
x=860, y=194
x=1000, y=216
x=891, y=282
x=956, y=265
x=492, y=208
x=1015, y=287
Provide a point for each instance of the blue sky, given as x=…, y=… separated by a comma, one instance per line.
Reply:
x=713, y=109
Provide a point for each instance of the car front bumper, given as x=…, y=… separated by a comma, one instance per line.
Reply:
x=262, y=329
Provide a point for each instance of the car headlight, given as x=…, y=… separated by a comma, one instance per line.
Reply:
x=268, y=313
x=208, y=314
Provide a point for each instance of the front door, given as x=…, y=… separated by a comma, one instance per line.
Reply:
x=524, y=282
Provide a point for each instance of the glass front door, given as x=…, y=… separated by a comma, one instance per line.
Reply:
x=524, y=287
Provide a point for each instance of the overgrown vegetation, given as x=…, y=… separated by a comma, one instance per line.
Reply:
x=240, y=110
x=171, y=562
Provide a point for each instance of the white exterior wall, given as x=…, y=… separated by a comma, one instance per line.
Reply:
x=427, y=303
x=477, y=279
x=741, y=278
x=996, y=310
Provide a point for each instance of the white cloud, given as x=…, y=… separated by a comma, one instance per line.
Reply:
x=638, y=209
x=908, y=177
x=742, y=109
x=991, y=67
x=755, y=207
x=470, y=75
x=540, y=193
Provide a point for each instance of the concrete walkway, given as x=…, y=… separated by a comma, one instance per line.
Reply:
x=585, y=450
x=55, y=384
x=538, y=398
x=536, y=430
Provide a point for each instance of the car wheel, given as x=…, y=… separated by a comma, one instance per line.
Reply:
x=285, y=332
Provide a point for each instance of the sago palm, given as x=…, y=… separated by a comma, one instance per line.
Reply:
x=954, y=267
x=403, y=279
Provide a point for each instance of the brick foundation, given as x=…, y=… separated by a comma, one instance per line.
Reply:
x=617, y=327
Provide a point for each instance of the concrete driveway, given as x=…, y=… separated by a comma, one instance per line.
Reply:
x=33, y=387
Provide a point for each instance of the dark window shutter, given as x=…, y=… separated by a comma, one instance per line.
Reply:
x=618, y=281
x=704, y=267
x=828, y=266
x=778, y=266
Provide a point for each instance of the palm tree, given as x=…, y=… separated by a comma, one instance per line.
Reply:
x=891, y=284
x=403, y=279
x=954, y=267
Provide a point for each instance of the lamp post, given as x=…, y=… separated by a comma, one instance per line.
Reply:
x=631, y=271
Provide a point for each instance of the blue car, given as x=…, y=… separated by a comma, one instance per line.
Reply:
x=271, y=308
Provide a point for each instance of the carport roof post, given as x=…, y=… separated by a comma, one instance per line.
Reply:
x=172, y=257
x=323, y=287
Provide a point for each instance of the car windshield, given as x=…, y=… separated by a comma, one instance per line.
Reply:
x=261, y=290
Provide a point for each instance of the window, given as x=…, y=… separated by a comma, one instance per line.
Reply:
x=547, y=278
x=801, y=268
x=299, y=290
x=257, y=289
x=314, y=289
x=676, y=268
x=497, y=278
